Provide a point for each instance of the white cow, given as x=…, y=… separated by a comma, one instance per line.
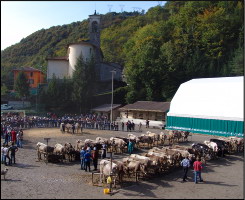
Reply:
x=79, y=145
x=211, y=145
x=106, y=169
x=118, y=143
x=43, y=149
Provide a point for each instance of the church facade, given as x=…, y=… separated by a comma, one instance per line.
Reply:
x=65, y=66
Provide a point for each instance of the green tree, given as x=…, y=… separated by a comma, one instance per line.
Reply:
x=21, y=85
x=52, y=94
x=84, y=80
x=65, y=92
x=4, y=90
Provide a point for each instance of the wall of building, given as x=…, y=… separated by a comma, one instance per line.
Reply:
x=155, y=116
x=105, y=72
x=57, y=67
x=75, y=50
x=34, y=77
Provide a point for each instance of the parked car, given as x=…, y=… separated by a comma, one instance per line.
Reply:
x=6, y=107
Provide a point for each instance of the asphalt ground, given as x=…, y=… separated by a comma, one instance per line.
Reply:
x=30, y=178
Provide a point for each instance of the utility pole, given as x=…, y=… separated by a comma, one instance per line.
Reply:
x=112, y=78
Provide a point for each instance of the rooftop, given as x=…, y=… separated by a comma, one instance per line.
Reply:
x=31, y=69
x=106, y=107
x=147, y=106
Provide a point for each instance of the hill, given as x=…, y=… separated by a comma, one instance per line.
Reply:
x=34, y=49
x=159, y=49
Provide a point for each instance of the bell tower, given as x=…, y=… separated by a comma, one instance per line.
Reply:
x=94, y=29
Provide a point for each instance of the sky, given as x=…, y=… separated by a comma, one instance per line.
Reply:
x=19, y=19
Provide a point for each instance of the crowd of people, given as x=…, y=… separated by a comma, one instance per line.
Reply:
x=87, y=155
x=197, y=166
x=8, y=152
x=12, y=125
x=86, y=121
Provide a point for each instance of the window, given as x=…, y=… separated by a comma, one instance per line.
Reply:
x=140, y=115
x=31, y=74
x=94, y=26
x=31, y=81
x=160, y=117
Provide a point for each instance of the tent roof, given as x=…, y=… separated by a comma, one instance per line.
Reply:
x=210, y=98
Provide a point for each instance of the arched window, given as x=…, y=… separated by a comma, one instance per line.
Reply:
x=94, y=26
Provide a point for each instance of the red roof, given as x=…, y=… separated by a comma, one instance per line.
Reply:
x=30, y=69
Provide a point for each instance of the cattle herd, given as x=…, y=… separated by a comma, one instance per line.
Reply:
x=163, y=155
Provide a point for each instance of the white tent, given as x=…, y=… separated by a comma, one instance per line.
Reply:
x=208, y=98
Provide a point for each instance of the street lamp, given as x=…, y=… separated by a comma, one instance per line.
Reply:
x=112, y=73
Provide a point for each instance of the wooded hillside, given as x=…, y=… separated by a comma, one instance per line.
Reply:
x=159, y=50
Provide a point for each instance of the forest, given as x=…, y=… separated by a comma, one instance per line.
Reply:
x=159, y=49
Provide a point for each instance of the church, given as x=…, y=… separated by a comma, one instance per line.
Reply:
x=65, y=66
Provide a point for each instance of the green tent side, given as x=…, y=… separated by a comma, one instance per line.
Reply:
x=206, y=126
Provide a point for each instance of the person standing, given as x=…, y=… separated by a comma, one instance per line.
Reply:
x=13, y=134
x=122, y=126
x=63, y=127
x=87, y=159
x=21, y=138
x=185, y=163
x=129, y=126
x=197, y=170
x=147, y=123
x=73, y=128
x=81, y=127
x=13, y=149
x=140, y=127
x=133, y=125
x=82, y=153
x=130, y=147
x=95, y=156
x=6, y=155
x=6, y=138
x=18, y=139
x=103, y=154
x=2, y=153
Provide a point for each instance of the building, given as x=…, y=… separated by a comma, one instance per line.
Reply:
x=213, y=106
x=106, y=110
x=65, y=66
x=141, y=111
x=34, y=76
